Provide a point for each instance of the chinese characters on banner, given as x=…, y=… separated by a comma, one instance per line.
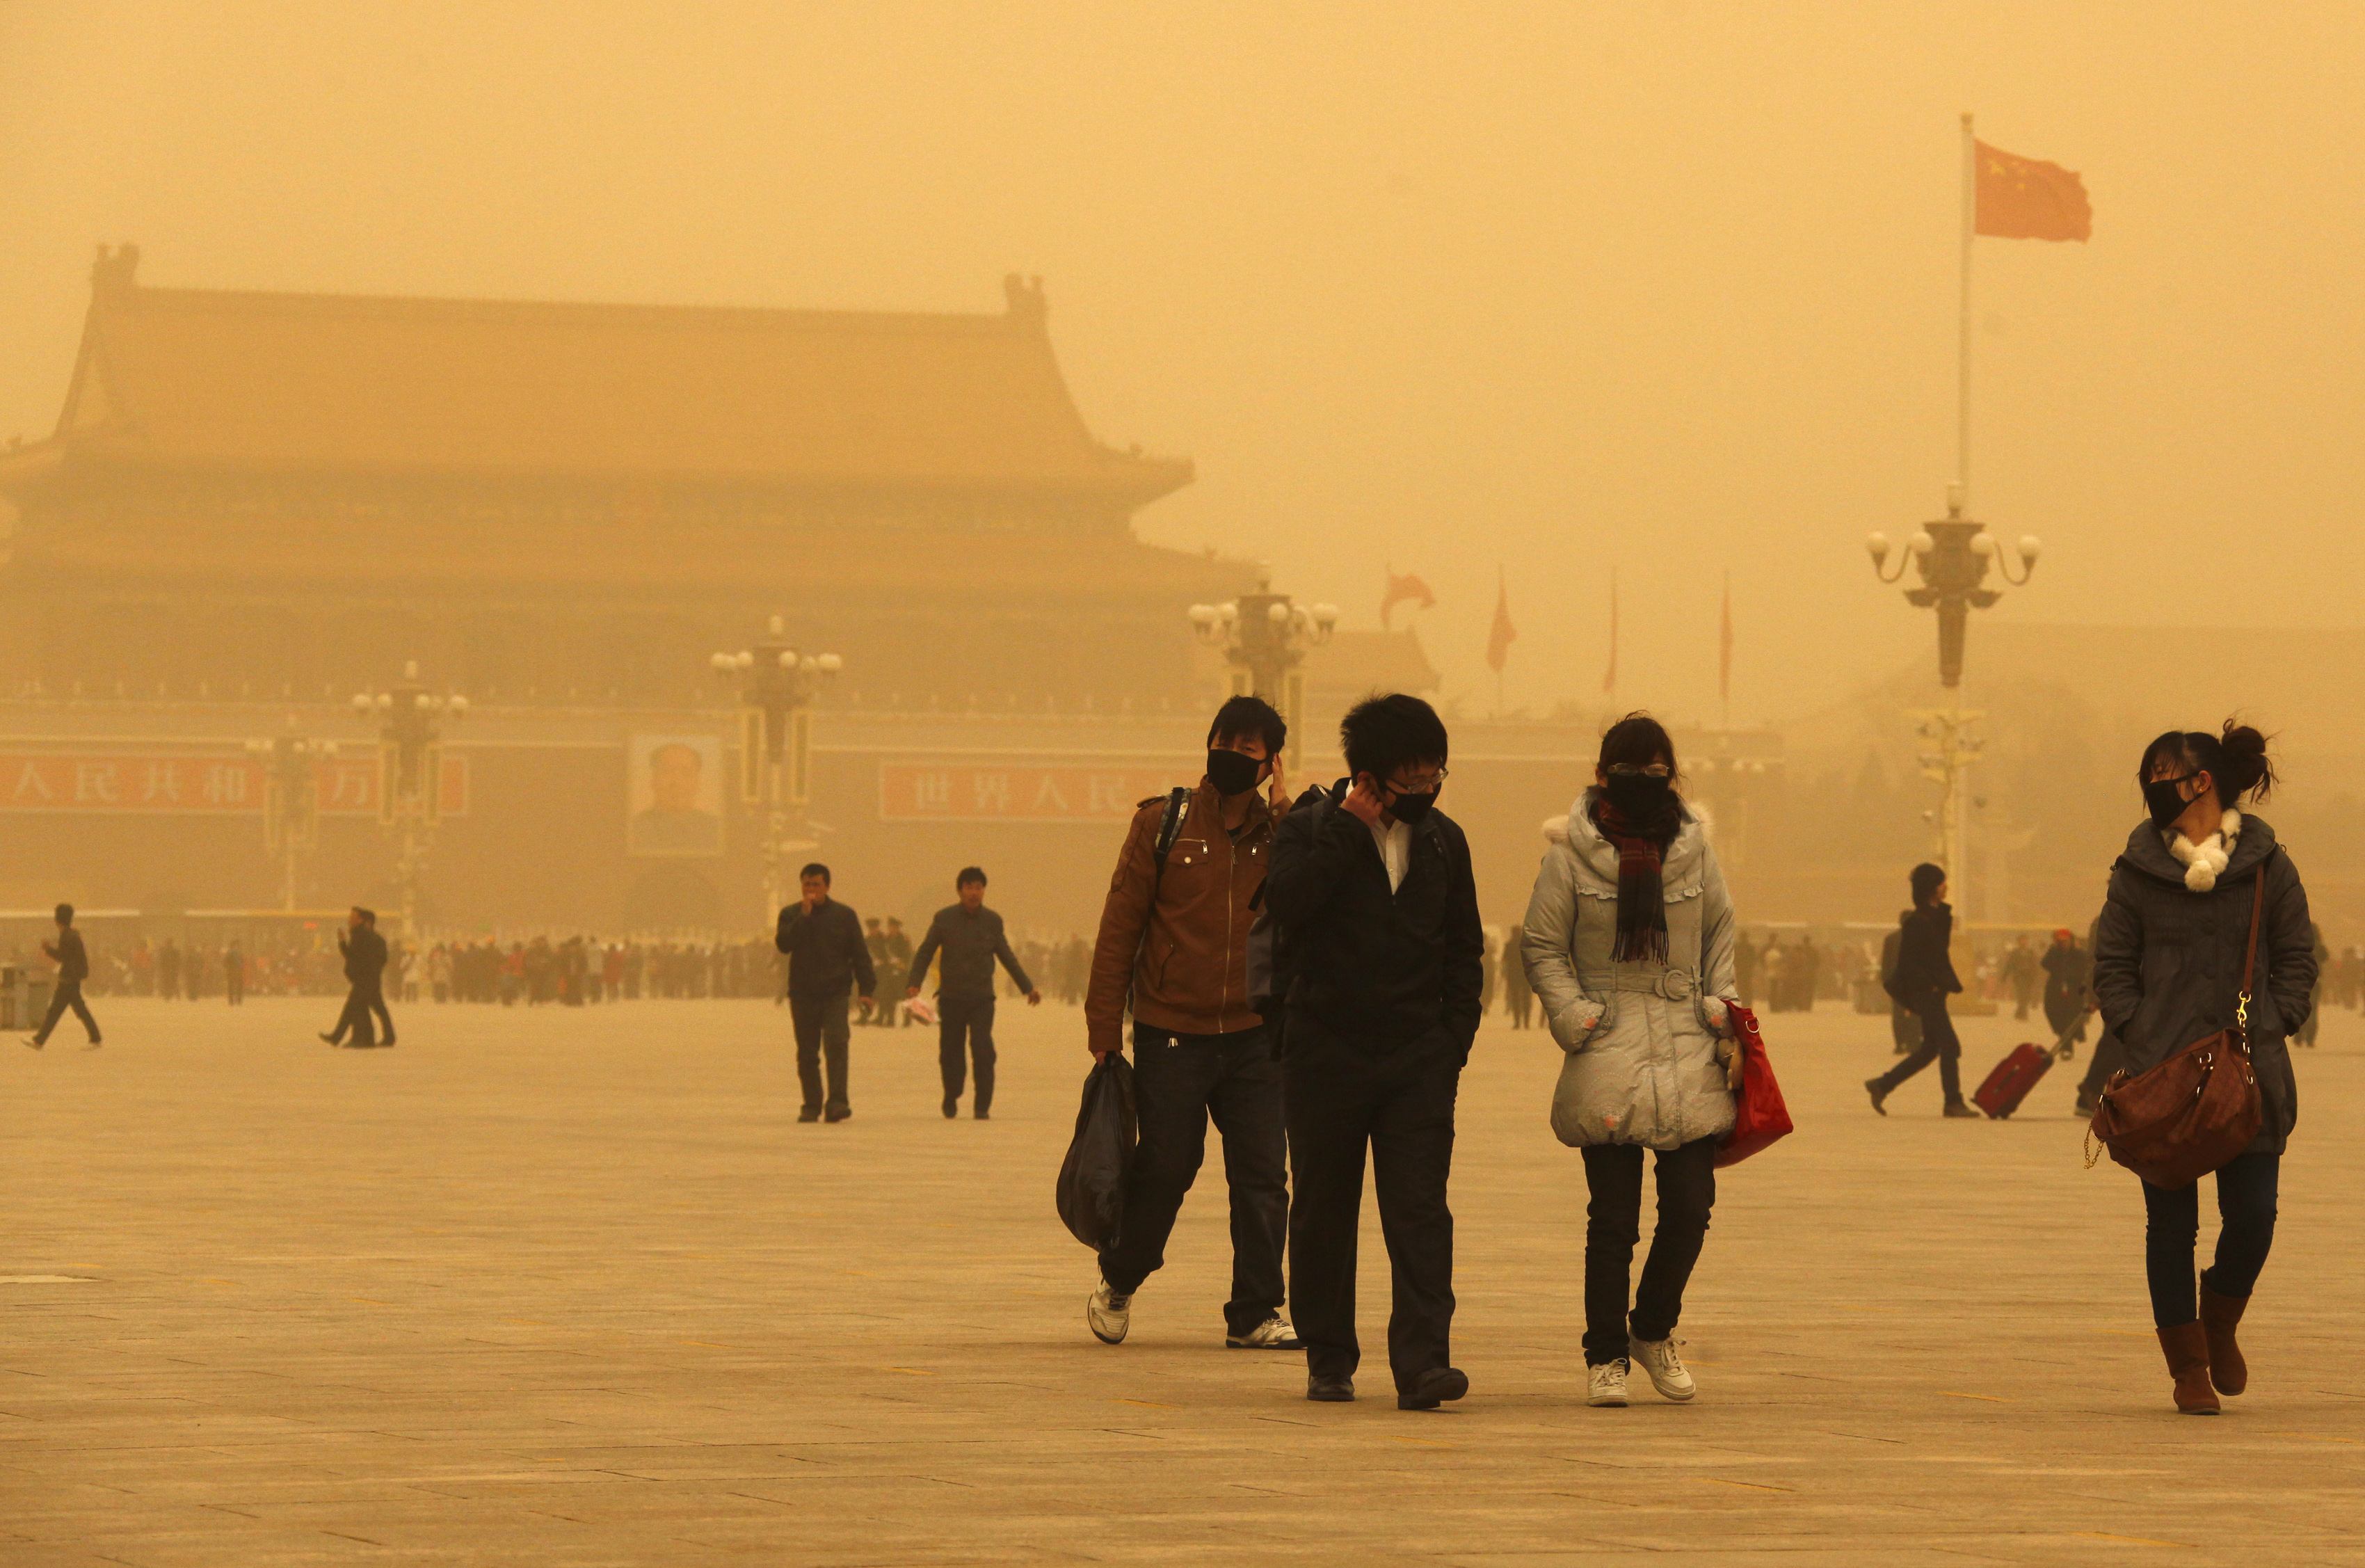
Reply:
x=201, y=783
x=1066, y=792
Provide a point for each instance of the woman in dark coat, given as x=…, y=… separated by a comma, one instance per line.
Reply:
x=2168, y=971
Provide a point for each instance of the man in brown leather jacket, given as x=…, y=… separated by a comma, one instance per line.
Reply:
x=1173, y=946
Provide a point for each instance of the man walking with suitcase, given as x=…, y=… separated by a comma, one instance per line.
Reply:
x=1173, y=945
x=1923, y=979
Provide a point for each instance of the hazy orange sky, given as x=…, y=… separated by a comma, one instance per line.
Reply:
x=1671, y=287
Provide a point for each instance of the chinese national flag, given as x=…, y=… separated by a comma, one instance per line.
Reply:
x=2022, y=198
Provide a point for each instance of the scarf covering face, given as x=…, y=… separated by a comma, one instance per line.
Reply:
x=1641, y=903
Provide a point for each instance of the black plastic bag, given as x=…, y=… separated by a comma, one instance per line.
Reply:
x=1093, y=1177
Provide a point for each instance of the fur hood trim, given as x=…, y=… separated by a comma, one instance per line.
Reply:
x=2206, y=861
x=1555, y=829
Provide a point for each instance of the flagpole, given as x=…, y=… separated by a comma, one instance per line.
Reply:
x=1961, y=500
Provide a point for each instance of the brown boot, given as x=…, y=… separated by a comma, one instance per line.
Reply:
x=2187, y=1348
x=2219, y=1313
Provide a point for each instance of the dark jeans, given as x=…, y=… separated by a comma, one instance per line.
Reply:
x=965, y=1028
x=820, y=1029
x=1938, y=1045
x=67, y=994
x=2110, y=1057
x=1180, y=1083
x=1613, y=1223
x=360, y=1005
x=2246, y=1213
x=1400, y=1105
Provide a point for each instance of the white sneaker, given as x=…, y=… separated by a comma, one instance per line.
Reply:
x=1657, y=1358
x=1274, y=1333
x=1606, y=1384
x=1108, y=1314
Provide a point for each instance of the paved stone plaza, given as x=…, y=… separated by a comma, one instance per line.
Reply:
x=571, y=1287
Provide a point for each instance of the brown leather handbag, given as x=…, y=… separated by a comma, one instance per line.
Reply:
x=2197, y=1109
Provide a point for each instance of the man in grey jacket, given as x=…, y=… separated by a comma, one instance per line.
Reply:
x=971, y=938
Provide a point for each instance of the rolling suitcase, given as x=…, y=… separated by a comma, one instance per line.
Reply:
x=2013, y=1077
x=2018, y=1073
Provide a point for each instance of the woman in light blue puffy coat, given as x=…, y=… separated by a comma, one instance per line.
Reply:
x=1629, y=945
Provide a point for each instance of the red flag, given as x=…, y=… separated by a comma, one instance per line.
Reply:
x=1724, y=647
x=2024, y=198
x=1499, y=640
x=1609, y=681
x=1400, y=589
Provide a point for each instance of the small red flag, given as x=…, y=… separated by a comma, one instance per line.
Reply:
x=1499, y=640
x=1401, y=588
x=2024, y=198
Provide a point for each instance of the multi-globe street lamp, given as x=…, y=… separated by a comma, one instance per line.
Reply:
x=778, y=688
x=1953, y=557
x=411, y=774
x=291, y=799
x=1264, y=637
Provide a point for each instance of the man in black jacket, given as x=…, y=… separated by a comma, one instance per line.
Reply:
x=364, y=952
x=826, y=957
x=972, y=939
x=1372, y=889
x=1923, y=979
x=73, y=968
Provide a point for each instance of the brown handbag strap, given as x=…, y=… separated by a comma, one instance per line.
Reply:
x=2250, y=954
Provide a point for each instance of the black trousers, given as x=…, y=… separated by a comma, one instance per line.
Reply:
x=820, y=1029
x=2110, y=1057
x=2246, y=1215
x=1400, y=1105
x=361, y=1003
x=67, y=994
x=965, y=1029
x=1613, y=1223
x=1938, y=1045
x=1180, y=1083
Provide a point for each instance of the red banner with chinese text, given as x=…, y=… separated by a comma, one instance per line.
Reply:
x=202, y=783
x=1017, y=792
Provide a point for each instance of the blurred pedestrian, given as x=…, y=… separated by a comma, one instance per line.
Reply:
x=1924, y=977
x=972, y=940
x=364, y=959
x=823, y=940
x=73, y=968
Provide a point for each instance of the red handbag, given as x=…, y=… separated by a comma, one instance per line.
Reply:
x=1759, y=1116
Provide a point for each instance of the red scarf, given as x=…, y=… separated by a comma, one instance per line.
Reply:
x=1642, y=900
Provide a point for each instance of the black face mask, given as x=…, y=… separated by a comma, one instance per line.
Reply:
x=1637, y=797
x=1232, y=772
x=2166, y=804
x=1409, y=809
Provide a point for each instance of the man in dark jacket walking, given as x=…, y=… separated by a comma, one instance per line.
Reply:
x=73, y=968
x=365, y=953
x=1373, y=891
x=971, y=938
x=827, y=957
x=1174, y=947
x=1923, y=979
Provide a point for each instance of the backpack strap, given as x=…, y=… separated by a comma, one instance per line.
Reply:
x=1170, y=825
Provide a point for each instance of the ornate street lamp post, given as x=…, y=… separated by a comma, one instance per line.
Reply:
x=1265, y=637
x=291, y=799
x=411, y=772
x=1952, y=557
x=778, y=687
